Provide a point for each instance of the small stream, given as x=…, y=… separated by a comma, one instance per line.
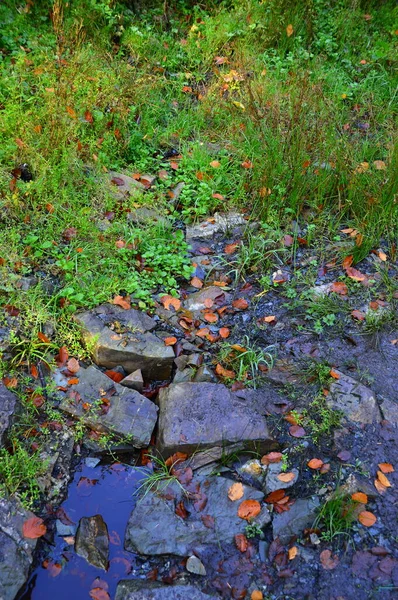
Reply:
x=107, y=490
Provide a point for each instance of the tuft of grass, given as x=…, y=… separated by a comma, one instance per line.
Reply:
x=19, y=470
x=246, y=361
x=336, y=517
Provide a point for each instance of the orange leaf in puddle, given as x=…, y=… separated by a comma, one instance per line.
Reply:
x=170, y=341
x=241, y=542
x=383, y=479
x=99, y=594
x=386, y=467
x=249, y=509
x=53, y=568
x=271, y=457
x=240, y=304
x=73, y=365
x=236, y=491
x=210, y=317
x=328, y=561
x=286, y=477
x=33, y=528
x=360, y=497
x=123, y=301
x=358, y=315
x=339, y=287
x=196, y=282
x=224, y=332
x=315, y=463
x=168, y=301
x=221, y=372
x=367, y=518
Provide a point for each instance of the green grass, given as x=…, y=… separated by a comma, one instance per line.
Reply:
x=336, y=517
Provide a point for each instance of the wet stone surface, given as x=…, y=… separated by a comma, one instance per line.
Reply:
x=8, y=406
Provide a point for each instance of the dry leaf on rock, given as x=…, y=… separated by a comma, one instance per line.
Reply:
x=383, y=479
x=386, y=467
x=168, y=301
x=123, y=301
x=33, y=528
x=367, y=518
x=241, y=542
x=271, y=457
x=235, y=492
x=315, y=463
x=73, y=365
x=249, y=509
x=286, y=477
x=292, y=552
x=360, y=497
x=170, y=341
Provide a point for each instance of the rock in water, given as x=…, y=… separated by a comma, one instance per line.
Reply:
x=129, y=589
x=16, y=551
x=92, y=542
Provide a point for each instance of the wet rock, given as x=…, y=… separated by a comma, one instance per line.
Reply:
x=144, y=215
x=205, y=374
x=389, y=409
x=64, y=530
x=356, y=483
x=272, y=482
x=134, y=381
x=125, y=412
x=123, y=337
x=195, y=566
x=196, y=301
x=57, y=455
x=252, y=471
x=210, y=455
x=183, y=376
x=194, y=416
x=357, y=402
x=154, y=590
x=284, y=372
x=16, y=551
x=211, y=517
x=92, y=542
x=222, y=224
x=122, y=185
x=8, y=406
x=292, y=522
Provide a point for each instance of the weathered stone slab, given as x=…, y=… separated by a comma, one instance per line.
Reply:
x=129, y=589
x=16, y=551
x=123, y=185
x=220, y=224
x=92, y=542
x=194, y=416
x=196, y=301
x=8, y=406
x=389, y=408
x=154, y=528
x=118, y=337
x=125, y=413
x=134, y=381
x=293, y=522
x=357, y=402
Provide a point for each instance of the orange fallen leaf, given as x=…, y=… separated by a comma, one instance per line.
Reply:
x=271, y=457
x=71, y=112
x=339, y=287
x=231, y=248
x=334, y=374
x=328, y=561
x=175, y=458
x=355, y=274
x=210, y=317
x=249, y=509
x=241, y=542
x=286, y=477
x=383, y=479
x=99, y=593
x=256, y=595
x=43, y=338
x=221, y=372
x=379, y=486
x=289, y=30
x=75, y=380
x=215, y=164
x=34, y=372
x=292, y=552
x=315, y=463
x=367, y=518
x=196, y=282
x=382, y=255
x=224, y=332
x=247, y=164
x=123, y=301
x=170, y=341
x=240, y=304
x=208, y=302
x=347, y=262
x=275, y=496
x=358, y=315
x=236, y=491
x=386, y=467
x=73, y=365
x=168, y=301
x=269, y=319
x=203, y=332
x=33, y=528
x=360, y=497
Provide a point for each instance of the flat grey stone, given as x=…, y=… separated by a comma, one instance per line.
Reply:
x=129, y=414
x=154, y=528
x=16, y=551
x=389, y=408
x=129, y=589
x=124, y=338
x=8, y=406
x=357, y=402
x=123, y=185
x=196, y=301
x=92, y=542
x=194, y=416
x=194, y=565
x=222, y=224
x=205, y=374
x=293, y=522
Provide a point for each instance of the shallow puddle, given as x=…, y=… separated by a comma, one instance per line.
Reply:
x=106, y=490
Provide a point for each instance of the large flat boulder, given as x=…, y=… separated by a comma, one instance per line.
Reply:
x=194, y=416
x=8, y=406
x=123, y=337
x=16, y=551
x=108, y=407
x=354, y=400
x=129, y=589
x=154, y=528
x=292, y=523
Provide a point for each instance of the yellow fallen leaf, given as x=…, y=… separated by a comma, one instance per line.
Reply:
x=383, y=479
x=235, y=492
x=289, y=30
x=292, y=552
